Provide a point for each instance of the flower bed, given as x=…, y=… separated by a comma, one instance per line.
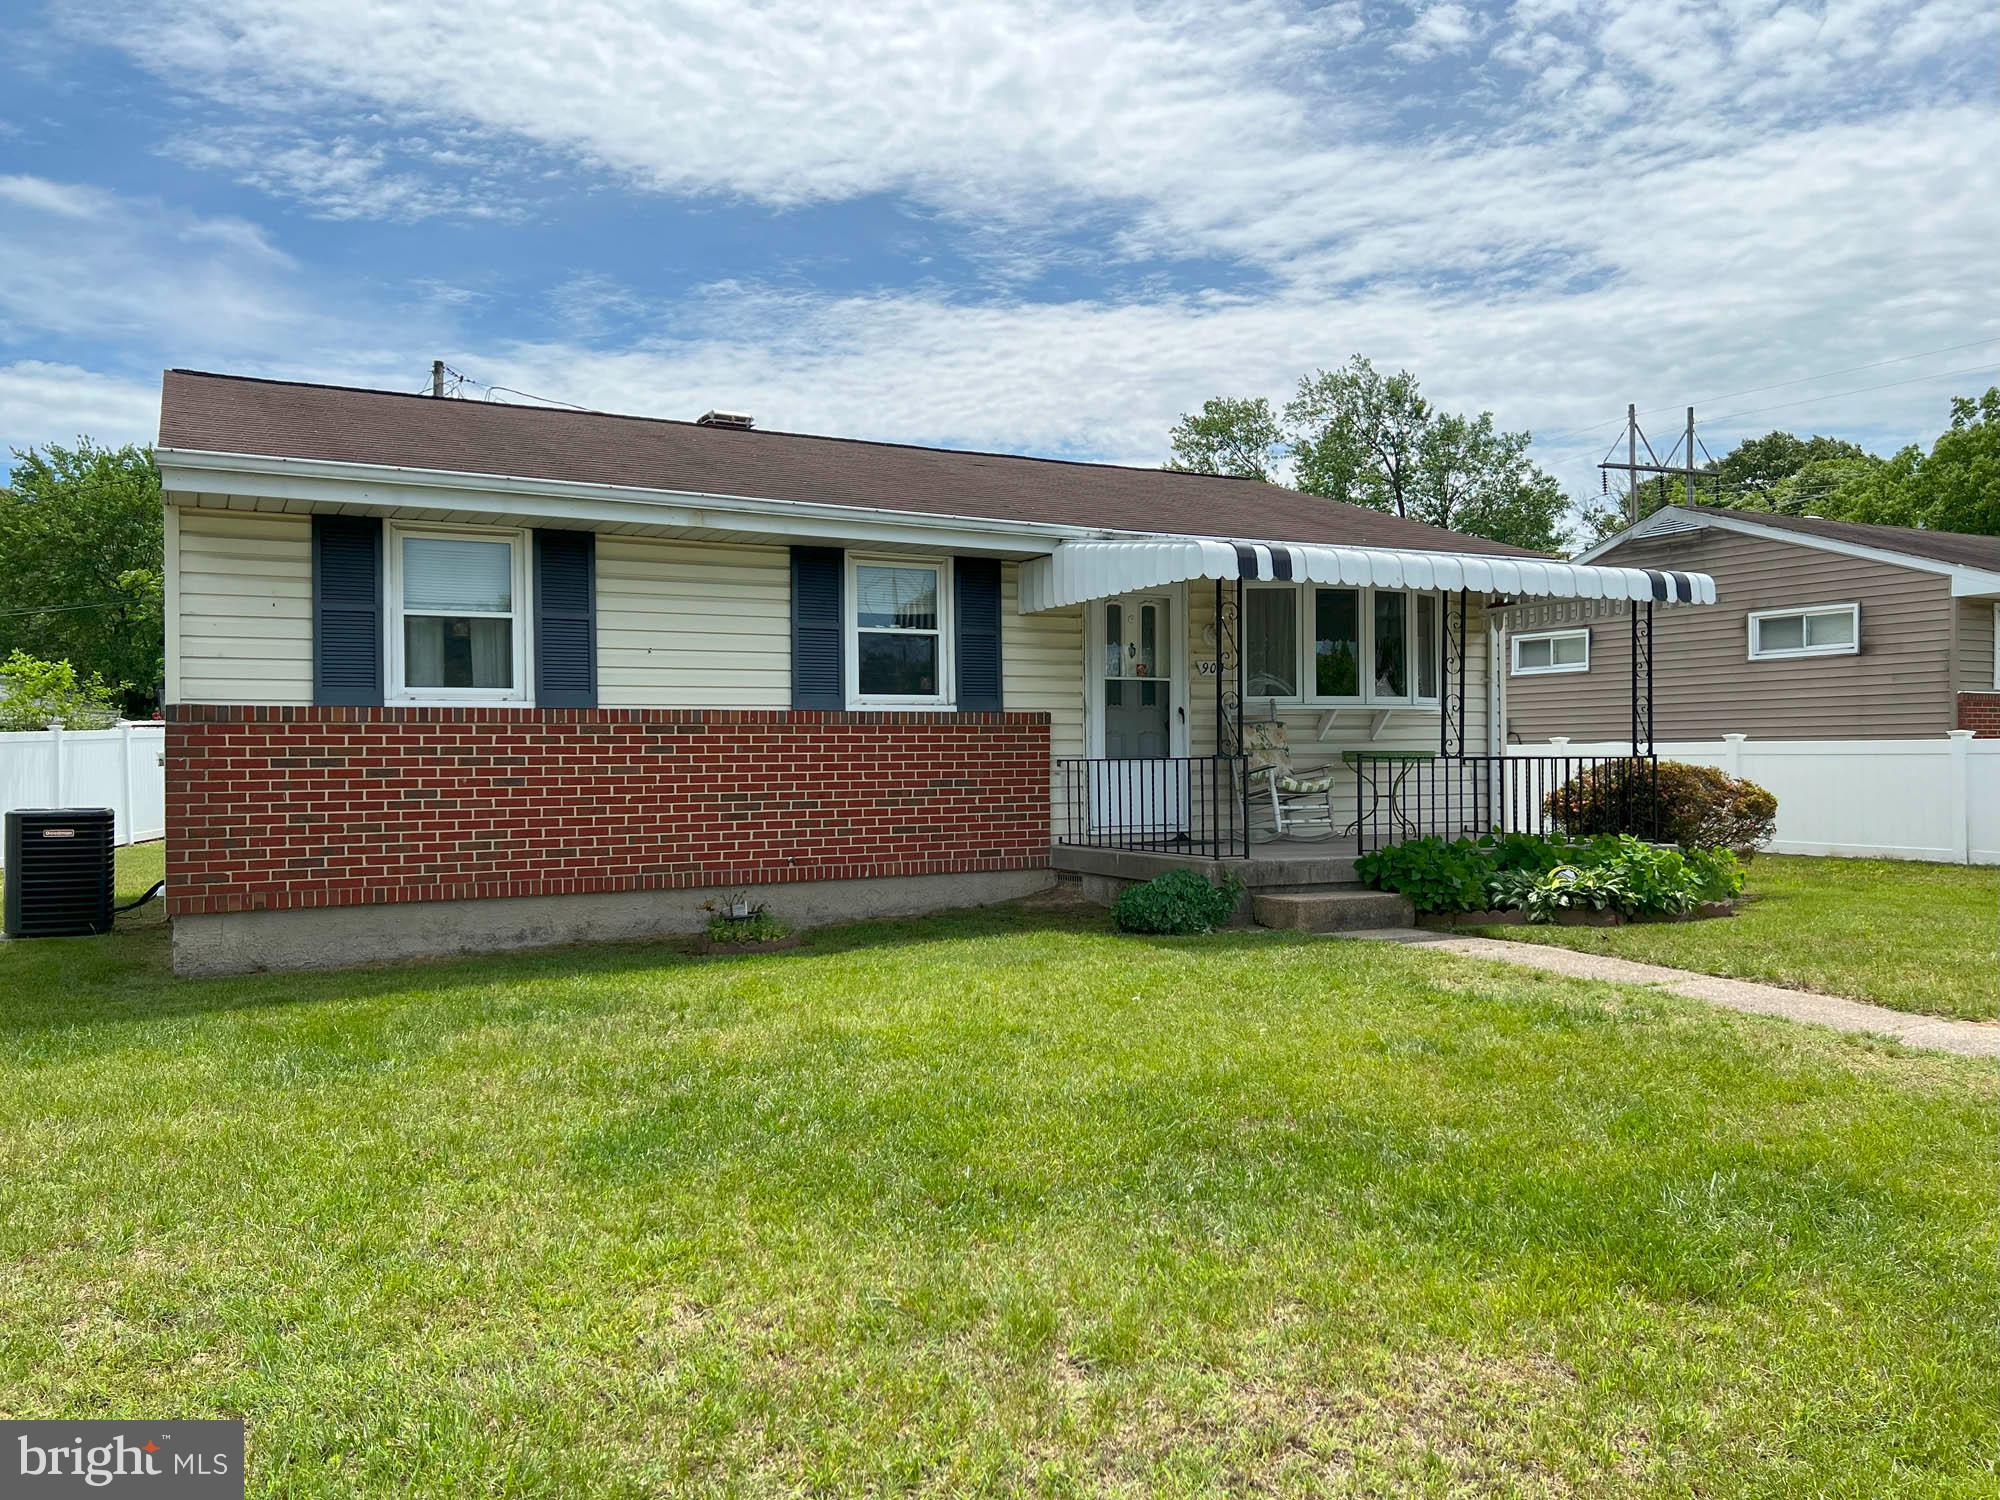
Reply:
x=1525, y=877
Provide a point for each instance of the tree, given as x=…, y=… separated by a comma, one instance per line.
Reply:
x=81, y=561
x=1356, y=434
x=1234, y=435
x=35, y=694
x=1956, y=487
x=1748, y=473
x=1371, y=439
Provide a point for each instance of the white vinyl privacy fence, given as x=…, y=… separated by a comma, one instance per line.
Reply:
x=1891, y=799
x=122, y=769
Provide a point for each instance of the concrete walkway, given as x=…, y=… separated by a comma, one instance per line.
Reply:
x=1968, y=1038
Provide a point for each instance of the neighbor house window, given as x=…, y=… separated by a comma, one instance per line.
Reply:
x=898, y=613
x=458, y=632
x=1551, y=651
x=1271, y=642
x=1821, y=630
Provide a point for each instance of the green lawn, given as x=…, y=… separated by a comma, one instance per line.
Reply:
x=1919, y=937
x=998, y=1203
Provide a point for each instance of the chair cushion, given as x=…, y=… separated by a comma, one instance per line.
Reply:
x=1305, y=783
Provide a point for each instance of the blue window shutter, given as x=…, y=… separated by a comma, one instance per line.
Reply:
x=819, y=678
x=976, y=582
x=347, y=610
x=565, y=619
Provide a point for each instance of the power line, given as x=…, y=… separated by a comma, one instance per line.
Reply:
x=1781, y=384
x=551, y=400
x=1863, y=391
x=61, y=609
x=1828, y=375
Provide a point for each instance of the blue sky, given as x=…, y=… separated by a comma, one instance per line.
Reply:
x=1047, y=228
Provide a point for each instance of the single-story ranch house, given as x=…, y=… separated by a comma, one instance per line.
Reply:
x=447, y=674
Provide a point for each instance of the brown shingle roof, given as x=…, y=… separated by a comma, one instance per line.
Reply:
x=1967, y=549
x=236, y=414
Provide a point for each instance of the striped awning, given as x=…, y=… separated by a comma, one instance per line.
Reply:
x=1080, y=571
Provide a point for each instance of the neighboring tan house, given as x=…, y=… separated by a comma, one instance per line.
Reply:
x=1824, y=630
x=447, y=674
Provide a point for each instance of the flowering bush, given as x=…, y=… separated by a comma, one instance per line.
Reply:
x=1697, y=807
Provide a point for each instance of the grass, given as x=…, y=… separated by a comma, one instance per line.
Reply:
x=1918, y=937
x=995, y=1203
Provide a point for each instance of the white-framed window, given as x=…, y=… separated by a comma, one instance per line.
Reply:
x=898, y=632
x=1814, y=630
x=1546, y=652
x=1323, y=644
x=1271, y=641
x=1996, y=648
x=458, y=615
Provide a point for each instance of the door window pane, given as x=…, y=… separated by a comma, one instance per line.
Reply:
x=1271, y=638
x=1428, y=646
x=1392, y=645
x=445, y=575
x=1114, y=640
x=1337, y=643
x=897, y=665
x=1150, y=661
x=458, y=651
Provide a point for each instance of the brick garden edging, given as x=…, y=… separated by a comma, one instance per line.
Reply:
x=280, y=808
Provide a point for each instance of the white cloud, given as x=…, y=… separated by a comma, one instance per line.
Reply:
x=1604, y=200
x=64, y=200
x=342, y=177
x=43, y=402
x=1437, y=29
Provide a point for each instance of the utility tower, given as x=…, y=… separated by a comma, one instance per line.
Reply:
x=1632, y=468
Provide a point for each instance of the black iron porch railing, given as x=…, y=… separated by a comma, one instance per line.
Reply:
x=1400, y=796
x=1181, y=804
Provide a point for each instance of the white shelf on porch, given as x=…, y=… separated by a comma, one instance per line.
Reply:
x=1378, y=720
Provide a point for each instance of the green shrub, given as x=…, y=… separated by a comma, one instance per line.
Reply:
x=745, y=932
x=1527, y=872
x=35, y=694
x=1696, y=807
x=1718, y=874
x=1177, y=903
x=1434, y=875
x=1574, y=888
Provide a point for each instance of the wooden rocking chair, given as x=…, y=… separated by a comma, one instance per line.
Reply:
x=1298, y=803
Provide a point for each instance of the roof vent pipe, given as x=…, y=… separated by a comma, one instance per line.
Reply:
x=739, y=420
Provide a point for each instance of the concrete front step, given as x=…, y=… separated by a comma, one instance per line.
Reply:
x=1330, y=910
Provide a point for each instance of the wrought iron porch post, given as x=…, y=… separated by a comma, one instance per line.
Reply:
x=1218, y=666
x=1642, y=691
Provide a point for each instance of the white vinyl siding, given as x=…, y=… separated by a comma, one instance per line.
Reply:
x=692, y=625
x=242, y=603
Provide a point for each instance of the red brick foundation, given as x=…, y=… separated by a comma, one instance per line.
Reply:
x=1980, y=712
x=273, y=809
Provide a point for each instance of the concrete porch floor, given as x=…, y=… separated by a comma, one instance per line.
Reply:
x=1272, y=863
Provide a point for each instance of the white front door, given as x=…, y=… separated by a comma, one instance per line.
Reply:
x=1140, y=726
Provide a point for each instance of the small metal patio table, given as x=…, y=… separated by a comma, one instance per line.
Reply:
x=1402, y=762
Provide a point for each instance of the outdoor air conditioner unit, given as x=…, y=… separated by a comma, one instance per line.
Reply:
x=58, y=871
